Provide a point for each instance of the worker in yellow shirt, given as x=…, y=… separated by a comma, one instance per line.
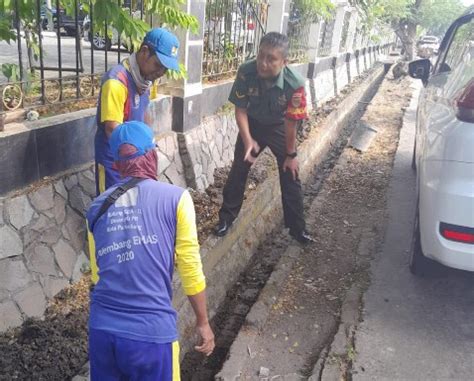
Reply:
x=125, y=95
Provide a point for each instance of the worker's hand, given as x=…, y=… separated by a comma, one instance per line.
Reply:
x=206, y=337
x=291, y=164
x=252, y=149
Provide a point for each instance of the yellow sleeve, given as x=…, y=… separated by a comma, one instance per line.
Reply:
x=92, y=258
x=154, y=90
x=188, y=258
x=112, y=101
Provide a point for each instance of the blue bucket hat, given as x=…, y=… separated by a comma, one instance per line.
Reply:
x=137, y=134
x=166, y=46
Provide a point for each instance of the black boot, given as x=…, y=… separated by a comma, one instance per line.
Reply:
x=302, y=237
x=222, y=228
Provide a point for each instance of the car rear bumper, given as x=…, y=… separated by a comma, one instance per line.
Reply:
x=446, y=196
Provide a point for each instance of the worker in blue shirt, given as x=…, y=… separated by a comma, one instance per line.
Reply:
x=139, y=230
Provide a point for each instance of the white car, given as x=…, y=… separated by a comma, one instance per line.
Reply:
x=444, y=152
x=428, y=46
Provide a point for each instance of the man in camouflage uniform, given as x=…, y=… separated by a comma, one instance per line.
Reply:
x=270, y=102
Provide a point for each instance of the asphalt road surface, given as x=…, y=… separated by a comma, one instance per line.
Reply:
x=413, y=328
x=9, y=54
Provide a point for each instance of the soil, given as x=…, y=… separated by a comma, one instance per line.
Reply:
x=51, y=349
x=66, y=107
x=55, y=348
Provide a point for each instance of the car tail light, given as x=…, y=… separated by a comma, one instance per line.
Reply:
x=457, y=233
x=464, y=103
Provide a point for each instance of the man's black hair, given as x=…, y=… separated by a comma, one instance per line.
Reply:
x=151, y=48
x=276, y=40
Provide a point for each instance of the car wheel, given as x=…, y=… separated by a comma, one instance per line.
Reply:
x=100, y=42
x=418, y=262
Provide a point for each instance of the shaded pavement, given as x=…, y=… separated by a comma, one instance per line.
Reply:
x=413, y=328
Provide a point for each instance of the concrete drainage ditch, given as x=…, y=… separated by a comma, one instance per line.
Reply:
x=236, y=276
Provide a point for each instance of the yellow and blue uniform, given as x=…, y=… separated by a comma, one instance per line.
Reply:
x=119, y=101
x=135, y=247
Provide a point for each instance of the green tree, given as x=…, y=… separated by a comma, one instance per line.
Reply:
x=437, y=15
x=403, y=16
x=313, y=10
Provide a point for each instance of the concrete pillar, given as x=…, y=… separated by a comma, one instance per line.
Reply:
x=358, y=40
x=313, y=48
x=313, y=41
x=352, y=30
x=278, y=14
x=338, y=24
x=187, y=92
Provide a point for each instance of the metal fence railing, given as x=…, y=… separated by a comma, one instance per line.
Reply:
x=233, y=30
x=61, y=63
x=299, y=28
x=325, y=38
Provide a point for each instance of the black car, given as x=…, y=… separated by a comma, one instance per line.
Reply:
x=67, y=22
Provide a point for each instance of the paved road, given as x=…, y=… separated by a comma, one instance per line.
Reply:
x=9, y=54
x=413, y=328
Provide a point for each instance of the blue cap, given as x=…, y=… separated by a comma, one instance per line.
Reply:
x=166, y=46
x=138, y=134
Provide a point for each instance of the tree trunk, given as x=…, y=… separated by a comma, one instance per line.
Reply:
x=410, y=41
x=406, y=31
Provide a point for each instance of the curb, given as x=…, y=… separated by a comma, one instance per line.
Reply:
x=336, y=360
x=336, y=363
x=256, y=318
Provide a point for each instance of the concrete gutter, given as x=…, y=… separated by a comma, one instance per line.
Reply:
x=225, y=258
